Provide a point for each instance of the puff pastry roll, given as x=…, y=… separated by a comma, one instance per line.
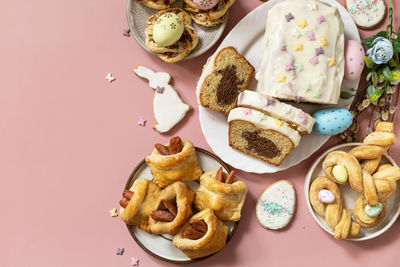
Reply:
x=138, y=202
x=176, y=161
x=173, y=209
x=222, y=193
x=203, y=235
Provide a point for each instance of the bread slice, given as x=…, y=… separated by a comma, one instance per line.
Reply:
x=230, y=75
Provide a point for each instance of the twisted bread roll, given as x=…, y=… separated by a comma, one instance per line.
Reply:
x=362, y=218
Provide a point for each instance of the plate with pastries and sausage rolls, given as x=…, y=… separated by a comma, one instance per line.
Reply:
x=351, y=190
x=181, y=203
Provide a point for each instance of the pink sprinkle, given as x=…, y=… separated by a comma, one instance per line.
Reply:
x=311, y=36
x=303, y=118
x=246, y=111
x=141, y=121
x=290, y=66
x=314, y=60
x=134, y=261
x=320, y=19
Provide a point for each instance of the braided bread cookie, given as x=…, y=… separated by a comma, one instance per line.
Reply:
x=337, y=218
x=157, y=4
x=210, y=17
x=182, y=47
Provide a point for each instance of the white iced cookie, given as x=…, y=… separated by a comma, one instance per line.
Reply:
x=168, y=107
x=367, y=14
x=276, y=206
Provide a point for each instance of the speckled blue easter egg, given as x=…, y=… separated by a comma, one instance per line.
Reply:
x=332, y=121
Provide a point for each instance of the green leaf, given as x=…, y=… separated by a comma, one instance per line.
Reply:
x=368, y=41
x=387, y=73
x=396, y=43
x=345, y=95
x=370, y=90
x=392, y=63
x=369, y=62
x=373, y=94
x=375, y=78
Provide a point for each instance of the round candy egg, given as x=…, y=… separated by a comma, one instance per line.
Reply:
x=326, y=196
x=373, y=211
x=354, y=58
x=168, y=29
x=340, y=173
x=205, y=4
x=332, y=121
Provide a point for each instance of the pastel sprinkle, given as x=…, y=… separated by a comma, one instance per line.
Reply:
x=300, y=98
x=278, y=123
x=303, y=118
x=110, y=78
x=311, y=36
x=261, y=117
x=314, y=60
x=323, y=41
x=332, y=61
x=141, y=121
x=270, y=101
x=120, y=251
x=134, y=261
x=319, y=51
x=299, y=67
x=317, y=94
x=298, y=47
x=302, y=23
x=160, y=89
x=320, y=19
x=126, y=32
x=274, y=208
x=289, y=66
x=114, y=212
x=307, y=87
x=296, y=33
x=281, y=78
x=246, y=111
x=289, y=17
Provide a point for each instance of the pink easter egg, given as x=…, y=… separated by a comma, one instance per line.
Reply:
x=205, y=4
x=354, y=57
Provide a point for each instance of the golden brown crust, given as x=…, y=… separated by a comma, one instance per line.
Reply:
x=226, y=200
x=382, y=139
x=209, y=17
x=157, y=4
x=178, y=167
x=213, y=241
x=368, y=151
x=362, y=218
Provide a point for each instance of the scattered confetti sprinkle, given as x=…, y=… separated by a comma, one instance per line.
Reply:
x=110, y=78
x=300, y=98
x=314, y=60
x=278, y=123
x=120, y=251
x=311, y=36
x=246, y=111
x=270, y=101
x=142, y=121
x=320, y=19
x=298, y=47
x=114, y=212
x=319, y=51
x=289, y=17
x=296, y=33
x=307, y=87
x=303, y=117
x=302, y=23
x=134, y=261
x=299, y=67
x=281, y=78
x=160, y=89
x=289, y=66
x=126, y=32
x=332, y=61
x=323, y=41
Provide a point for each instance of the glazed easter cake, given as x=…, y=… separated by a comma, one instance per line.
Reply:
x=302, y=53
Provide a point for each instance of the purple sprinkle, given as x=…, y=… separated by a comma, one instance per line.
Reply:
x=319, y=51
x=120, y=251
x=289, y=17
x=160, y=90
x=270, y=101
x=300, y=98
x=311, y=36
x=303, y=117
x=320, y=19
x=126, y=32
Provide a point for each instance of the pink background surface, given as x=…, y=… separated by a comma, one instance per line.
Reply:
x=69, y=141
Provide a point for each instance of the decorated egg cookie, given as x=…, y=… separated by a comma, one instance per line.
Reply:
x=205, y=4
x=332, y=121
x=276, y=206
x=354, y=57
x=168, y=29
x=367, y=14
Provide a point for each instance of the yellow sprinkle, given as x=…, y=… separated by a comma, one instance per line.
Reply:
x=332, y=61
x=302, y=24
x=323, y=41
x=281, y=78
x=298, y=47
x=279, y=123
x=114, y=212
x=340, y=173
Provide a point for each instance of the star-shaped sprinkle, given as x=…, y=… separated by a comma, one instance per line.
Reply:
x=110, y=78
x=120, y=251
x=332, y=61
x=270, y=101
x=320, y=19
x=307, y=87
x=299, y=67
x=303, y=117
x=300, y=98
x=114, y=212
x=311, y=36
x=126, y=32
x=281, y=78
x=323, y=41
x=134, y=261
x=261, y=116
x=141, y=121
x=246, y=111
x=298, y=47
x=160, y=89
x=289, y=17
x=313, y=6
x=314, y=60
x=296, y=33
x=319, y=51
x=317, y=94
x=289, y=66
x=278, y=123
x=302, y=23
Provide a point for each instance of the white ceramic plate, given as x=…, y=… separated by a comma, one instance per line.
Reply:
x=349, y=197
x=138, y=13
x=246, y=37
x=160, y=246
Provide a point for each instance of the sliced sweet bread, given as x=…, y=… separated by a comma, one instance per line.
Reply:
x=231, y=73
x=261, y=136
x=295, y=117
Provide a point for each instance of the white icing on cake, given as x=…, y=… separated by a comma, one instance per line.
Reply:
x=366, y=13
x=168, y=107
x=280, y=73
x=277, y=109
x=276, y=206
x=207, y=69
x=262, y=121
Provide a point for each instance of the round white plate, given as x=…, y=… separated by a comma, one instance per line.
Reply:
x=160, y=246
x=138, y=13
x=246, y=37
x=349, y=197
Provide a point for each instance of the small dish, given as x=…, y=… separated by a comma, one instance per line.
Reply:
x=138, y=13
x=349, y=196
x=160, y=246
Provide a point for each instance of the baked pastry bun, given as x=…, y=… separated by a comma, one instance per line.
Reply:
x=221, y=192
x=138, y=203
x=210, y=17
x=173, y=209
x=176, y=161
x=203, y=235
x=157, y=4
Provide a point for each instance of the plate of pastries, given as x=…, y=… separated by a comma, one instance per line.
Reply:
x=351, y=190
x=258, y=94
x=182, y=203
x=176, y=30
